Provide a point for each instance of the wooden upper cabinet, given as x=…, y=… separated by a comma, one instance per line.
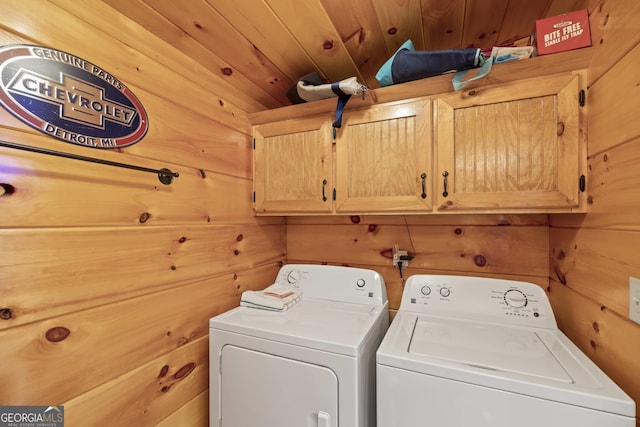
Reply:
x=515, y=147
x=293, y=166
x=383, y=159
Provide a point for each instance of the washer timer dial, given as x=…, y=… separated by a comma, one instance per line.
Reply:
x=293, y=276
x=515, y=298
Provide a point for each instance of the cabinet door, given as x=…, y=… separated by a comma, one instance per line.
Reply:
x=293, y=166
x=383, y=159
x=512, y=147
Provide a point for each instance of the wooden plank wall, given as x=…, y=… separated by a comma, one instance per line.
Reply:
x=592, y=256
x=107, y=277
x=131, y=297
x=502, y=246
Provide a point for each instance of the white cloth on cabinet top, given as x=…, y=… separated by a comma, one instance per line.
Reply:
x=276, y=297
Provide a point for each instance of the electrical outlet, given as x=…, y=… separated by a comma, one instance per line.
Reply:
x=400, y=256
x=634, y=299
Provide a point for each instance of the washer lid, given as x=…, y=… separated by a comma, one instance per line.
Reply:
x=493, y=347
x=535, y=362
x=337, y=327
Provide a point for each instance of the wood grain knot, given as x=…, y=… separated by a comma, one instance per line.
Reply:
x=6, y=313
x=561, y=255
x=355, y=219
x=328, y=45
x=182, y=239
x=184, y=371
x=236, y=252
x=202, y=173
x=6, y=189
x=387, y=253
x=164, y=371
x=560, y=275
x=227, y=71
x=57, y=334
x=458, y=231
x=144, y=217
x=361, y=36
x=480, y=260
x=560, y=130
x=596, y=327
x=239, y=238
x=391, y=31
x=372, y=228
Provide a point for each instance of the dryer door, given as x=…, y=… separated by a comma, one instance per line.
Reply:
x=260, y=389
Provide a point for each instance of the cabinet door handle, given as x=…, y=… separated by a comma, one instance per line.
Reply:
x=424, y=185
x=324, y=183
x=445, y=193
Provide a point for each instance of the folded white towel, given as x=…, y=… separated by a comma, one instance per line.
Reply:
x=275, y=297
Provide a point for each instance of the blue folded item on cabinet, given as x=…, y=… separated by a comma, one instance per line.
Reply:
x=407, y=64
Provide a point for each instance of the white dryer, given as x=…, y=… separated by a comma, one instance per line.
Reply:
x=312, y=365
x=470, y=351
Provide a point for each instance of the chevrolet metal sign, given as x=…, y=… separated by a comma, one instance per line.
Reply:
x=69, y=98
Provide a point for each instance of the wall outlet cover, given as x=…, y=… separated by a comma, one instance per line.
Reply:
x=634, y=299
x=397, y=254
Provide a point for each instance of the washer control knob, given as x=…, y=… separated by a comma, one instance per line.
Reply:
x=515, y=298
x=293, y=276
x=360, y=283
x=426, y=290
x=445, y=292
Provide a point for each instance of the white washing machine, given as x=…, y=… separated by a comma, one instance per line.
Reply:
x=470, y=351
x=312, y=365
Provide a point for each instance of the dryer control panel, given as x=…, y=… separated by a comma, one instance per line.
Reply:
x=479, y=298
x=335, y=283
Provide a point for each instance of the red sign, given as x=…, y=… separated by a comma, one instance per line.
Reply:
x=563, y=32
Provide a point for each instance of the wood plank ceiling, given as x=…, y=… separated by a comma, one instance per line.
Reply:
x=262, y=46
